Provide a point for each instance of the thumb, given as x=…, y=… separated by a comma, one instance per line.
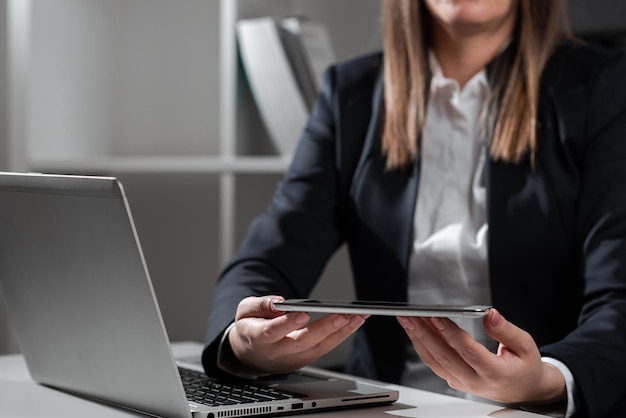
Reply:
x=508, y=335
x=259, y=307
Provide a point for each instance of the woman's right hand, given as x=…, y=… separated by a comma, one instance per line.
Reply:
x=273, y=341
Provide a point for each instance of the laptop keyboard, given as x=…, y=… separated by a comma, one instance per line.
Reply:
x=204, y=390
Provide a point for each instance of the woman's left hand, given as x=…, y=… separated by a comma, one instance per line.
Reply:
x=515, y=375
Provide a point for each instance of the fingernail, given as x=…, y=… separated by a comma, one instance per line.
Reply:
x=438, y=323
x=496, y=318
x=272, y=302
x=356, y=321
x=302, y=318
x=406, y=323
x=340, y=321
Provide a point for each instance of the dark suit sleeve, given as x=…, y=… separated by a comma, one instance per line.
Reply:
x=595, y=351
x=286, y=247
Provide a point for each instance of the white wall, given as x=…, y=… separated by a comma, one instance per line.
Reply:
x=124, y=77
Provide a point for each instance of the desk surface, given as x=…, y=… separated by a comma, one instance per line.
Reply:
x=21, y=397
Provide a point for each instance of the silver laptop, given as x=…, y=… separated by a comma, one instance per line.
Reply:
x=81, y=303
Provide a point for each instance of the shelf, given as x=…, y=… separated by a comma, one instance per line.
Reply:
x=166, y=164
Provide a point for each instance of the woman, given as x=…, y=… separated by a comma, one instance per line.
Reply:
x=479, y=160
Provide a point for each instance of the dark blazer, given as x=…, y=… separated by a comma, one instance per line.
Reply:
x=557, y=232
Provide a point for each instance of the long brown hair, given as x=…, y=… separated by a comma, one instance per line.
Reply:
x=512, y=129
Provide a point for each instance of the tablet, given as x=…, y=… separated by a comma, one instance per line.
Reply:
x=381, y=308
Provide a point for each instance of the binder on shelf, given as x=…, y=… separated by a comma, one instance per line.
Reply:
x=279, y=57
x=311, y=45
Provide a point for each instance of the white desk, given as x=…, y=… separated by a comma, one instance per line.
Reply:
x=21, y=397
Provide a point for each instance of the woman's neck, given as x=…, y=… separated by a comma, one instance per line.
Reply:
x=462, y=54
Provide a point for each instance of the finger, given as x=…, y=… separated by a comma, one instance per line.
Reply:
x=513, y=338
x=318, y=338
x=427, y=357
x=258, y=322
x=272, y=330
x=473, y=353
x=258, y=307
x=269, y=331
x=331, y=328
x=437, y=351
x=308, y=343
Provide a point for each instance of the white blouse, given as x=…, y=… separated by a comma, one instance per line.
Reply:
x=448, y=264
